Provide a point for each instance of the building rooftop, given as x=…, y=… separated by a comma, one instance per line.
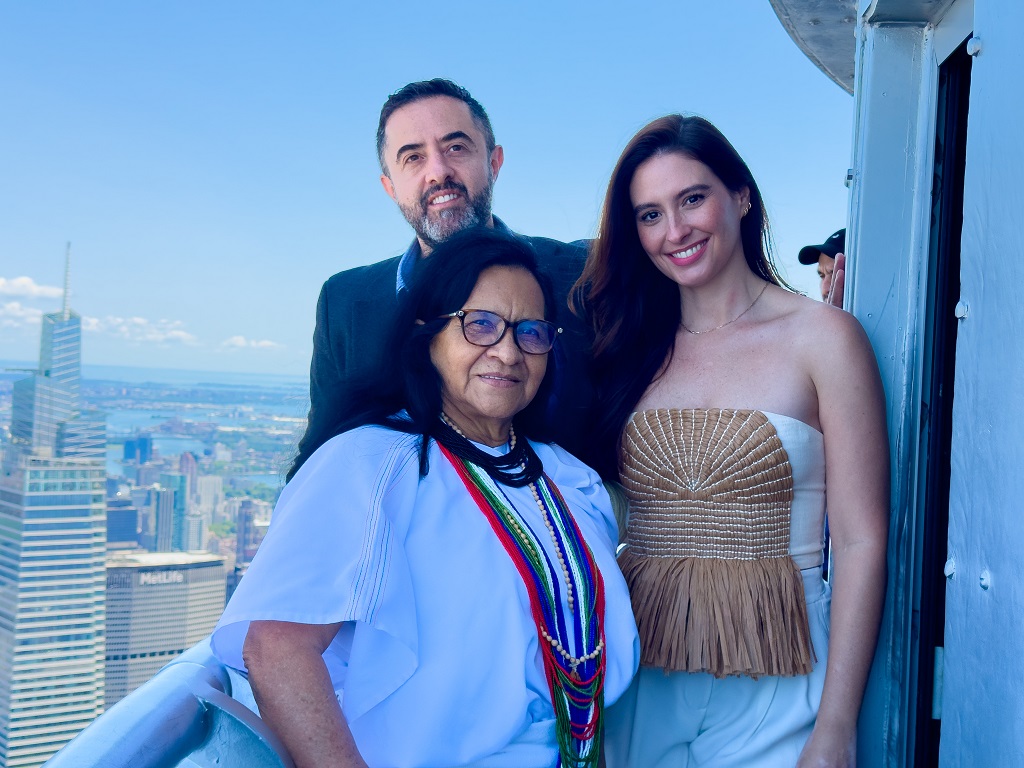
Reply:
x=160, y=559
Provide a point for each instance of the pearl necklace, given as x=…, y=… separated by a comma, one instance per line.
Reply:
x=741, y=314
x=545, y=514
x=574, y=662
x=576, y=691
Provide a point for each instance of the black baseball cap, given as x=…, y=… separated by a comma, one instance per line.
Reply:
x=836, y=243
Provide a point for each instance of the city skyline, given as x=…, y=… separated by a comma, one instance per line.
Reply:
x=107, y=576
x=212, y=168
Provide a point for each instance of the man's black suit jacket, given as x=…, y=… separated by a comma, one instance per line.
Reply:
x=356, y=308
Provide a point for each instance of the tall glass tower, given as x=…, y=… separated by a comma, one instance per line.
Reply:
x=50, y=398
x=52, y=556
x=40, y=406
x=52, y=609
x=60, y=358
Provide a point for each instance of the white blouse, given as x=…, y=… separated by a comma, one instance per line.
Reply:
x=438, y=662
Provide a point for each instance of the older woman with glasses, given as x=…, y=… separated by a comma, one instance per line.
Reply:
x=438, y=586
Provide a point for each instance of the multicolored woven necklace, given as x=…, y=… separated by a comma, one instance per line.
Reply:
x=572, y=645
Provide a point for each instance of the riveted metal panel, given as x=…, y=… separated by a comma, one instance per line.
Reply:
x=983, y=699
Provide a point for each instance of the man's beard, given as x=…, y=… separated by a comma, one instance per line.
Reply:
x=434, y=230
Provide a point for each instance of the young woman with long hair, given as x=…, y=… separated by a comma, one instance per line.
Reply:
x=725, y=400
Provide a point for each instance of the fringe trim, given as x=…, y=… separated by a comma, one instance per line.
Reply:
x=725, y=617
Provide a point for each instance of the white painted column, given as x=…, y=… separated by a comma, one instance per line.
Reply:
x=888, y=244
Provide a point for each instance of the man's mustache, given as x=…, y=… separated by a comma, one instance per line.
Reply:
x=434, y=191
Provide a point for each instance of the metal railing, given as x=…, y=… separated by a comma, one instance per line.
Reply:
x=184, y=716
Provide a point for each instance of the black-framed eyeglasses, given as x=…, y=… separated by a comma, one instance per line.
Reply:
x=485, y=329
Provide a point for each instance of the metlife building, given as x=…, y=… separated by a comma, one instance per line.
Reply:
x=159, y=604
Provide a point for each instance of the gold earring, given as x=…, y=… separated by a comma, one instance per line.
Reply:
x=746, y=209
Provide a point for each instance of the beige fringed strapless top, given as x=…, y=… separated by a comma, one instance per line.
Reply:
x=725, y=508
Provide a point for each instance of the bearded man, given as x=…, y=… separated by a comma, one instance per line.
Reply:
x=439, y=162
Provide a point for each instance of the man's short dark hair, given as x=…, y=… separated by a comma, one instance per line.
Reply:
x=425, y=89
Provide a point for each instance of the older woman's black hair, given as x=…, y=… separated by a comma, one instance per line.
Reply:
x=407, y=379
x=625, y=297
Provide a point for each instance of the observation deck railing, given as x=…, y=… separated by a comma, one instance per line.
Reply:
x=184, y=716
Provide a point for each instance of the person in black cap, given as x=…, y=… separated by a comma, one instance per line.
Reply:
x=824, y=256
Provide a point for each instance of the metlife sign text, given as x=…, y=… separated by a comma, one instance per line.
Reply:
x=147, y=578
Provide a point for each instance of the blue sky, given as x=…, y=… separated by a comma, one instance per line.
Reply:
x=213, y=163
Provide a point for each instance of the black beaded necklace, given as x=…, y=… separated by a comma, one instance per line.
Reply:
x=517, y=468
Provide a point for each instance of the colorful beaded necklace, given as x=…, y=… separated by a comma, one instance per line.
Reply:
x=576, y=682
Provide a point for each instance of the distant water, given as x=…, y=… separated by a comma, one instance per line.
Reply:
x=177, y=376
x=290, y=400
x=180, y=377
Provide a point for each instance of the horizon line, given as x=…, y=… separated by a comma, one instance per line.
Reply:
x=30, y=365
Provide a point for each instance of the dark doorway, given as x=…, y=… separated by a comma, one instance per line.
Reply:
x=943, y=295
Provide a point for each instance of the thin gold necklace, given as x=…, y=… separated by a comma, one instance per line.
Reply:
x=730, y=322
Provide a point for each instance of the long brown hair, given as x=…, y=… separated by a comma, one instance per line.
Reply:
x=633, y=309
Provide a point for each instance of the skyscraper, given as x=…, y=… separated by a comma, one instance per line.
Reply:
x=163, y=512
x=40, y=405
x=145, y=447
x=195, y=532
x=210, y=495
x=188, y=467
x=60, y=356
x=122, y=523
x=52, y=556
x=139, y=448
x=52, y=577
x=158, y=605
x=246, y=537
x=47, y=418
x=178, y=483
x=84, y=436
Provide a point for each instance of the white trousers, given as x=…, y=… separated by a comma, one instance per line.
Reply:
x=695, y=720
